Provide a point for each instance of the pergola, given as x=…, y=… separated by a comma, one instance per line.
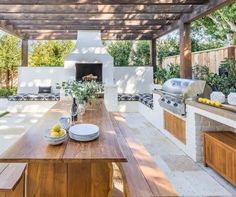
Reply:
x=117, y=20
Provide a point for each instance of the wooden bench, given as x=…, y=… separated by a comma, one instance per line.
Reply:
x=141, y=175
x=12, y=179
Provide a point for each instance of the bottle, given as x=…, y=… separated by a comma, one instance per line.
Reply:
x=74, y=111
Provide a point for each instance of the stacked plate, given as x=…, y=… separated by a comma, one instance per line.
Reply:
x=54, y=140
x=84, y=132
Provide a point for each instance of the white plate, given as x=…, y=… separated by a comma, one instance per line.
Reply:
x=83, y=139
x=84, y=130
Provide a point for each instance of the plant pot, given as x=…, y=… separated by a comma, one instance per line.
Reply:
x=232, y=98
x=218, y=96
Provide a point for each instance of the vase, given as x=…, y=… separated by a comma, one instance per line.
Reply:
x=232, y=98
x=218, y=96
x=81, y=108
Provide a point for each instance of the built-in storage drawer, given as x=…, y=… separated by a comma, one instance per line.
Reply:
x=220, y=153
x=175, y=125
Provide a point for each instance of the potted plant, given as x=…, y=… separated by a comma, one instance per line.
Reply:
x=84, y=92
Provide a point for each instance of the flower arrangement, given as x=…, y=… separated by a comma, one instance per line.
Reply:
x=82, y=91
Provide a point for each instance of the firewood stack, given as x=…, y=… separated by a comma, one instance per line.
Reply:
x=90, y=77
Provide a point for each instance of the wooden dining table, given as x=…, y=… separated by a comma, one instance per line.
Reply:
x=72, y=168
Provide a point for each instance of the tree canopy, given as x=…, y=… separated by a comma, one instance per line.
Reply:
x=10, y=58
x=219, y=26
x=49, y=53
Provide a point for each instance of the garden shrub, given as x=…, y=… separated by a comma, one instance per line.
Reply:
x=5, y=92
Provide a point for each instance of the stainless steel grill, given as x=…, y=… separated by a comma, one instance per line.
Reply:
x=174, y=92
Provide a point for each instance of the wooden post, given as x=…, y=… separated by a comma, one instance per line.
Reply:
x=232, y=52
x=185, y=51
x=153, y=54
x=24, y=53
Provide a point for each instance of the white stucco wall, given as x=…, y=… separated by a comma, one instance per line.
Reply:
x=128, y=79
x=30, y=78
x=133, y=79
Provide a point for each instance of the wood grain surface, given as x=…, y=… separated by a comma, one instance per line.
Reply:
x=32, y=146
x=220, y=153
x=12, y=179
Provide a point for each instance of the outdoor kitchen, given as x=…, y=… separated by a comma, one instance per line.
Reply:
x=205, y=131
x=182, y=111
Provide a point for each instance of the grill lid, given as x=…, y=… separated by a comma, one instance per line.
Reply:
x=186, y=87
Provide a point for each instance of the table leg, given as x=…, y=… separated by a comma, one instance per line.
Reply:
x=92, y=179
x=85, y=179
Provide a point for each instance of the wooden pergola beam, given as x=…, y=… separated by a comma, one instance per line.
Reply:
x=86, y=27
x=198, y=12
x=98, y=9
x=185, y=51
x=67, y=2
x=104, y=36
x=119, y=31
x=4, y=26
x=153, y=54
x=24, y=52
x=90, y=22
x=84, y=16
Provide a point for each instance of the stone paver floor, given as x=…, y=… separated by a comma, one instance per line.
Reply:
x=189, y=178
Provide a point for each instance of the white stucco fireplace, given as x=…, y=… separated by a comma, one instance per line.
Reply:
x=89, y=49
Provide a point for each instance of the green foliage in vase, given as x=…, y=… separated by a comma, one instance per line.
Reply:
x=82, y=91
x=50, y=53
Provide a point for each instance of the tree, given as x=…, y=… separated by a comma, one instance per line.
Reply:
x=218, y=26
x=10, y=55
x=120, y=51
x=167, y=47
x=140, y=53
x=50, y=53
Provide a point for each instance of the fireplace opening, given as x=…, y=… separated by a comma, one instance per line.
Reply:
x=88, y=71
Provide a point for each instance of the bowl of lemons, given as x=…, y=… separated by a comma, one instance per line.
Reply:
x=56, y=135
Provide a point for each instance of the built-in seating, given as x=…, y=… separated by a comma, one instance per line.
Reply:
x=12, y=179
x=145, y=98
x=35, y=97
x=142, y=177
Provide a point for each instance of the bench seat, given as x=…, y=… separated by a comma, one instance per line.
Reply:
x=142, y=177
x=144, y=98
x=35, y=97
x=12, y=179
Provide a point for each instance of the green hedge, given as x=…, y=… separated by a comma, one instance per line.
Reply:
x=5, y=92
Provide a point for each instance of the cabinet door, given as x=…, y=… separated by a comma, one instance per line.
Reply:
x=221, y=158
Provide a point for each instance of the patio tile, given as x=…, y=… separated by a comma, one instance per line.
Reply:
x=189, y=178
x=180, y=163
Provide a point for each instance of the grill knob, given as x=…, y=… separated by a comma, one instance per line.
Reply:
x=163, y=99
x=168, y=102
x=175, y=104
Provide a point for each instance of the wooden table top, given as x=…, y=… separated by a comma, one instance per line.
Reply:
x=32, y=146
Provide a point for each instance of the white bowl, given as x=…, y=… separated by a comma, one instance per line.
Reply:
x=54, y=140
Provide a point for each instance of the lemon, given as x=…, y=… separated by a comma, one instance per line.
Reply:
x=200, y=100
x=56, y=128
x=54, y=134
x=208, y=102
x=217, y=104
x=212, y=103
x=61, y=133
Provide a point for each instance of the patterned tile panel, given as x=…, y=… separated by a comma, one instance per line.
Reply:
x=35, y=97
